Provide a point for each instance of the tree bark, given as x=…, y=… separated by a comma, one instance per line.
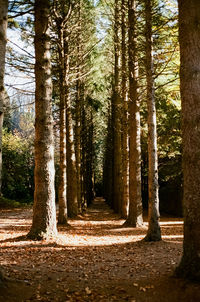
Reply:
x=117, y=175
x=79, y=101
x=135, y=218
x=124, y=94
x=189, y=37
x=3, y=41
x=62, y=189
x=154, y=233
x=72, y=198
x=44, y=210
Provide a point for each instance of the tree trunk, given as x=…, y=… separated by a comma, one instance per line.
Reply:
x=79, y=100
x=124, y=94
x=3, y=40
x=108, y=162
x=44, y=211
x=78, y=142
x=117, y=176
x=62, y=189
x=72, y=199
x=135, y=218
x=189, y=36
x=154, y=233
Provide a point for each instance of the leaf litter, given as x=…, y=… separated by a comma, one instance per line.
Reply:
x=96, y=259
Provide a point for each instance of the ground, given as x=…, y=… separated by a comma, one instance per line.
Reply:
x=96, y=259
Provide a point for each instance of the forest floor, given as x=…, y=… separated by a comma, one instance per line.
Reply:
x=96, y=259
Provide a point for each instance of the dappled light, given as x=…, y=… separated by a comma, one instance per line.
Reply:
x=94, y=257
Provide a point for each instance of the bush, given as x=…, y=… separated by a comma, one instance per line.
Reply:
x=18, y=166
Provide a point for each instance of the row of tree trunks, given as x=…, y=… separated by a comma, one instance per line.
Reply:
x=126, y=192
x=44, y=212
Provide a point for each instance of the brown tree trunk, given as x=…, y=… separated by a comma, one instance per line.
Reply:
x=117, y=175
x=189, y=36
x=154, y=233
x=62, y=189
x=124, y=94
x=135, y=218
x=44, y=211
x=3, y=40
x=78, y=142
x=72, y=199
x=79, y=100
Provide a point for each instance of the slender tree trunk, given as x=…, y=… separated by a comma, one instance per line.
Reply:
x=117, y=176
x=135, y=218
x=44, y=211
x=62, y=189
x=3, y=40
x=124, y=94
x=72, y=199
x=78, y=112
x=78, y=143
x=189, y=36
x=154, y=233
x=108, y=163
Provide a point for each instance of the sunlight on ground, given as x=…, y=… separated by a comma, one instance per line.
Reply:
x=107, y=232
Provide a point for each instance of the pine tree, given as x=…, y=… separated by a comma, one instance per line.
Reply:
x=116, y=108
x=189, y=37
x=44, y=211
x=135, y=201
x=154, y=233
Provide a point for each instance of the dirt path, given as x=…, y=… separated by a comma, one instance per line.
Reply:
x=94, y=260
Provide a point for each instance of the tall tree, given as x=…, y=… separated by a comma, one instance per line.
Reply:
x=135, y=200
x=154, y=233
x=116, y=104
x=78, y=104
x=44, y=211
x=3, y=40
x=62, y=189
x=63, y=15
x=124, y=96
x=189, y=37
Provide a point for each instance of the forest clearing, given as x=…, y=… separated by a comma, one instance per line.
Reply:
x=96, y=258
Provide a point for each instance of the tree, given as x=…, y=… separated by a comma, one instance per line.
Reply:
x=44, y=211
x=135, y=201
x=62, y=189
x=3, y=29
x=116, y=107
x=154, y=233
x=124, y=95
x=189, y=37
x=3, y=40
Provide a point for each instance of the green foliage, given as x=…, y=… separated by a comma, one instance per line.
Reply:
x=17, y=166
x=10, y=203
